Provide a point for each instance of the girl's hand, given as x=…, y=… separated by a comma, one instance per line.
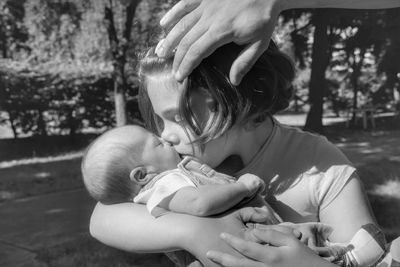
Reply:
x=313, y=234
x=283, y=250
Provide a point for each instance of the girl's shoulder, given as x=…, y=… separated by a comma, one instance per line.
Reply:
x=316, y=149
x=310, y=166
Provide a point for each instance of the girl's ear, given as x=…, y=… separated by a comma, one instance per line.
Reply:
x=139, y=175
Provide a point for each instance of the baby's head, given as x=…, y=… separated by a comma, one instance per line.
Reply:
x=121, y=161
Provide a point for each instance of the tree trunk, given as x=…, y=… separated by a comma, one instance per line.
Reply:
x=3, y=42
x=354, y=81
x=118, y=50
x=13, y=128
x=41, y=123
x=320, y=61
x=119, y=95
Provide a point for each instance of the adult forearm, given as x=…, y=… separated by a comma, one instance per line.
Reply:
x=131, y=228
x=354, y=4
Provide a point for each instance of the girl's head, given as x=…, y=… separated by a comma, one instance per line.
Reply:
x=207, y=105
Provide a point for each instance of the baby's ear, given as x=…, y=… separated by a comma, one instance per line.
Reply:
x=139, y=175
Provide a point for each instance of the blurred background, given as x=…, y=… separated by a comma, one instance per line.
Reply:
x=68, y=73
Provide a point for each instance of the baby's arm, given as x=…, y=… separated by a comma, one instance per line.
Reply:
x=208, y=200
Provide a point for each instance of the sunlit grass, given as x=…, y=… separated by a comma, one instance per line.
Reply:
x=390, y=188
x=36, y=160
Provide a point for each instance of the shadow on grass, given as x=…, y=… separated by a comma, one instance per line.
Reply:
x=42, y=146
x=381, y=179
x=386, y=210
x=39, y=178
x=85, y=251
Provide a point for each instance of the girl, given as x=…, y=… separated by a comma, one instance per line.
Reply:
x=231, y=128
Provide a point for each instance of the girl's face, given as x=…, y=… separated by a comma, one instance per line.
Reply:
x=164, y=94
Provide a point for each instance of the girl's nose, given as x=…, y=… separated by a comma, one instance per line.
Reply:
x=170, y=138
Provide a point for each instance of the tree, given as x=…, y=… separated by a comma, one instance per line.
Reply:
x=319, y=63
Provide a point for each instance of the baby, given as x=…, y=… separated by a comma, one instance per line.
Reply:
x=130, y=163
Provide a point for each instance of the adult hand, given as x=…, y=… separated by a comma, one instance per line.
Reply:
x=206, y=231
x=284, y=250
x=199, y=27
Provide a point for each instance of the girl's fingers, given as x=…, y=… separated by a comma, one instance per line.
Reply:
x=249, y=249
x=228, y=260
x=177, y=12
x=246, y=59
x=275, y=238
x=177, y=33
x=192, y=50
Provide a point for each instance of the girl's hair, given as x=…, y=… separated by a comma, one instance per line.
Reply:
x=264, y=90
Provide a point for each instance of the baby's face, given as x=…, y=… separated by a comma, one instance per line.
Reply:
x=158, y=153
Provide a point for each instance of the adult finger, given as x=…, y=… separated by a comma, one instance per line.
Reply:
x=246, y=59
x=178, y=11
x=275, y=238
x=177, y=33
x=192, y=50
x=228, y=260
x=280, y=228
x=249, y=249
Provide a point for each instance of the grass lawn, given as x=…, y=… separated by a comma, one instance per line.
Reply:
x=35, y=167
x=85, y=251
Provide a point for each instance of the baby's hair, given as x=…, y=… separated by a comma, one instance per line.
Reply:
x=106, y=166
x=264, y=90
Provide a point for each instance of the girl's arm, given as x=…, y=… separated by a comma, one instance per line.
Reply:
x=207, y=200
x=347, y=212
x=131, y=228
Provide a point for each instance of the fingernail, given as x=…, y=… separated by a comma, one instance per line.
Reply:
x=178, y=76
x=250, y=225
x=160, y=51
x=162, y=21
x=210, y=254
x=297, y=233
x=234, y=81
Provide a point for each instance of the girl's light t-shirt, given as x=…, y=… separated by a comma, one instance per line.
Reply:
x=312, y=172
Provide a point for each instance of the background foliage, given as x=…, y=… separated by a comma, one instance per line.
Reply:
x=68, y=66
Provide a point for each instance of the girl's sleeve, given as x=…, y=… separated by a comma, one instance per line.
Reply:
x=162, y=189
x=333, y=171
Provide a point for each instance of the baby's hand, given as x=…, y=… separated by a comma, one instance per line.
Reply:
x=253, y=183
x=313, y=234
